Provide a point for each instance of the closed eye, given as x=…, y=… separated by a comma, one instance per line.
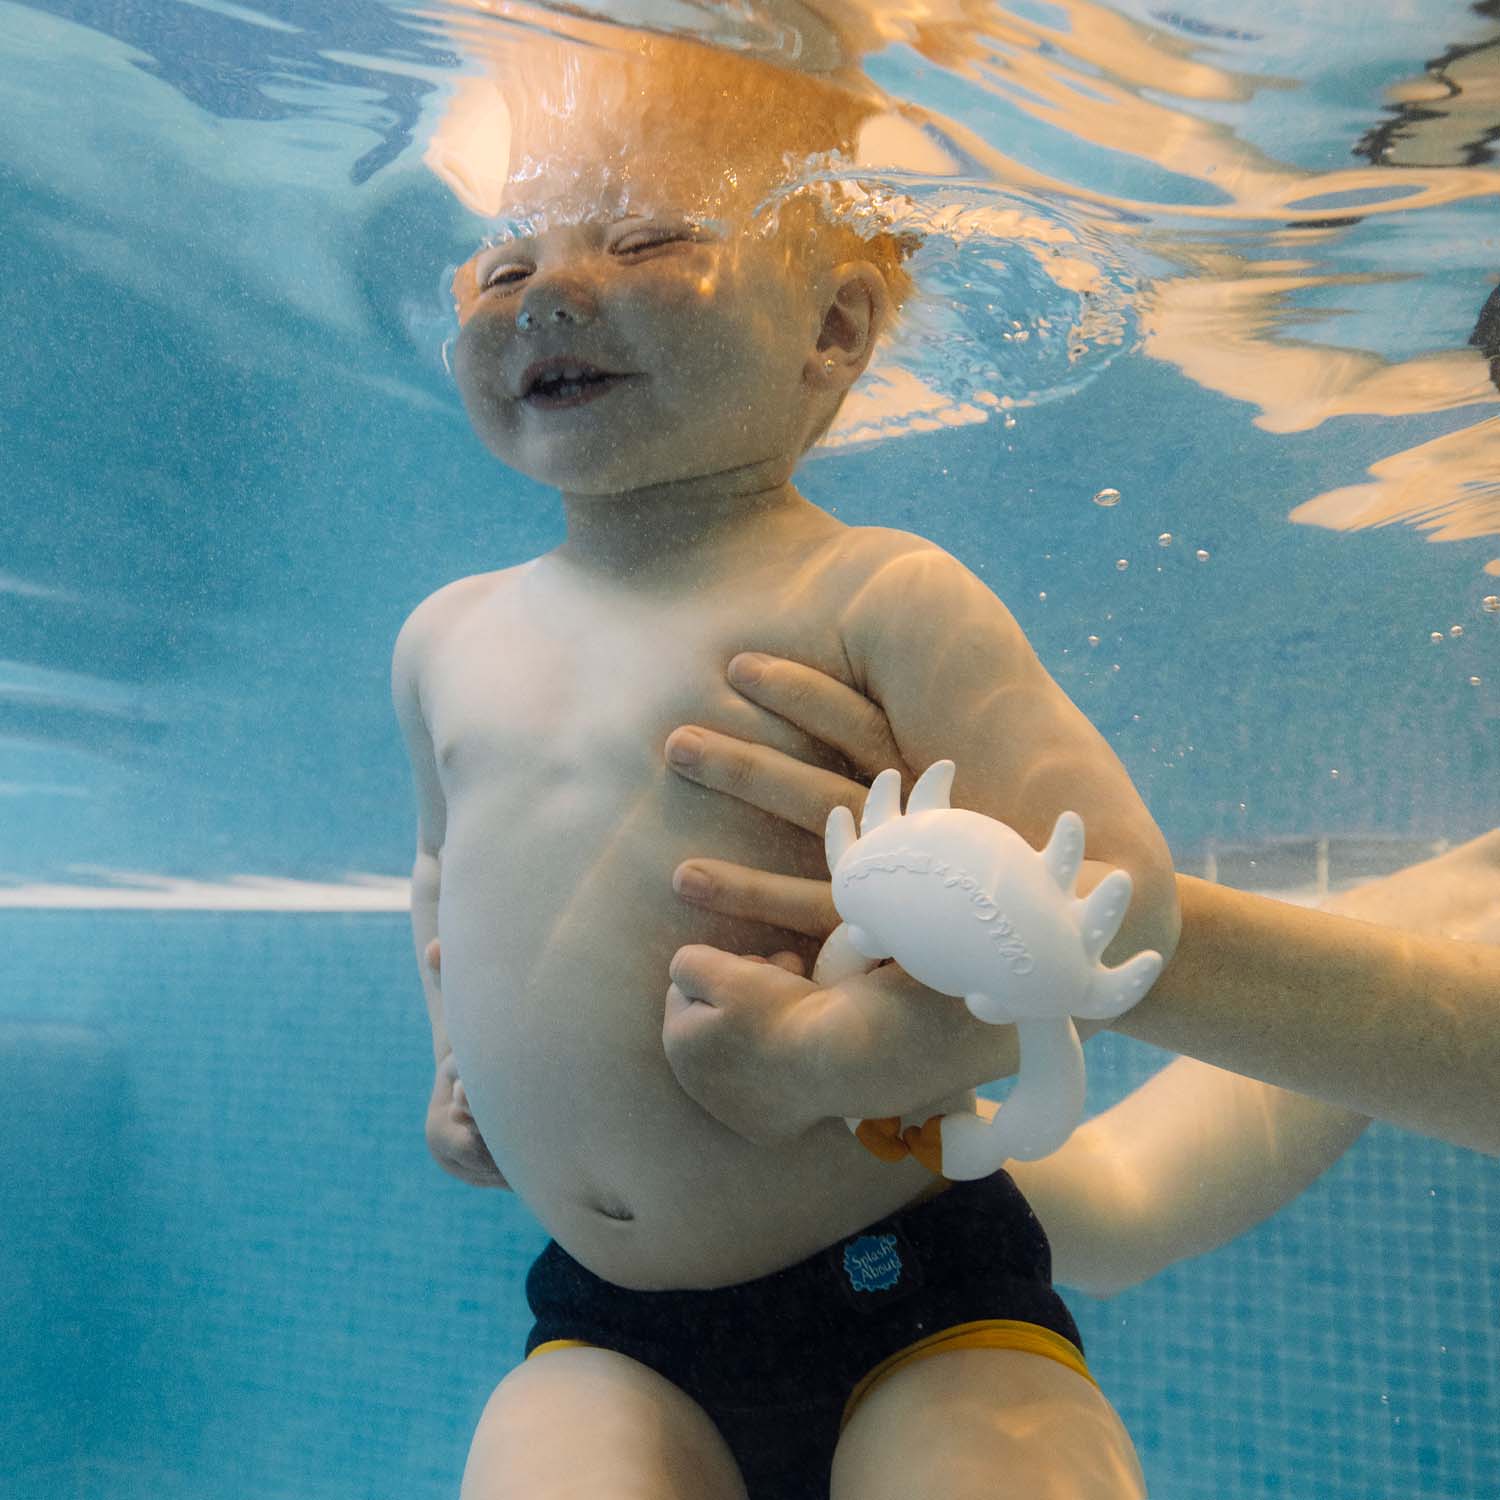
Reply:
x=626, y=247
x=503, y=276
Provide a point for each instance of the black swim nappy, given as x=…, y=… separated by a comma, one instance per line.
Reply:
x=779, y=1362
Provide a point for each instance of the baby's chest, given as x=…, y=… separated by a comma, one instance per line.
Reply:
x=546, y=706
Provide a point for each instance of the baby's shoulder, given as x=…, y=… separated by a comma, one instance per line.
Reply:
x=443, y=606
x=861, y=553
x=888, y=565
x=908, y=590
x=887, y=541
x=436, y=615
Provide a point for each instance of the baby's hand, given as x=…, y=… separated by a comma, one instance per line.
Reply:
x=452, y=1136
x=730, y=1038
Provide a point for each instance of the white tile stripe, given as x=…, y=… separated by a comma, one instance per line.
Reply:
x=131, y=892
x=365, y=893
x=128, y=890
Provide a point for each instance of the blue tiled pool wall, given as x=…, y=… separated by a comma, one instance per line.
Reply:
x=228, y=1266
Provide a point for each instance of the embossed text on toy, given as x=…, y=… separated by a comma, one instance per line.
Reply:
x=1002, y=932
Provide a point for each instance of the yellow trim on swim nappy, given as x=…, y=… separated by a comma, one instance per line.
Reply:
x=552, y=1344
x=989, y=1333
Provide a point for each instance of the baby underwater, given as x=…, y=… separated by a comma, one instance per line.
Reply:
x=738, y=1297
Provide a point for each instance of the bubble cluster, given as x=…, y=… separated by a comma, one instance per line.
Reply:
x=1014, y=293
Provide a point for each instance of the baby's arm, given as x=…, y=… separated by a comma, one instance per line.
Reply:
x=411, y=649
x=452, y=1136
x=958, y=680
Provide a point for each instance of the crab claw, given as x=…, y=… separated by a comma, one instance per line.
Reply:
x=883, y=802
x=1043, y=1107
x=838, y=836
x=933, y=788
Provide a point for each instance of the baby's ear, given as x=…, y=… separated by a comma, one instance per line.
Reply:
x=857, y=311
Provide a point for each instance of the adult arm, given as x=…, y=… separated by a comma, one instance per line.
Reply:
x=1388, y=1024
x=1395, y=1024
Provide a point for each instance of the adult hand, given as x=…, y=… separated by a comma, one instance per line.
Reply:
x=783, y=786
x=760, y=1047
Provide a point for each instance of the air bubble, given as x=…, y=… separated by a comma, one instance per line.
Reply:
x=1490, y=604
x=1093, y=640
x=1107, y=498
x=1165, y=539
x=1122, y=564
x=1202, y=554
x=1436, y=637
x=1334, y=774
x=1455, y=631
x=1474, y=682
x=1042, y=595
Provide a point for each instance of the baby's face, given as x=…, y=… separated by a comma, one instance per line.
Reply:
x=705, y=335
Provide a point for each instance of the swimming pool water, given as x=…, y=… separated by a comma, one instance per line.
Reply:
x=231, y=1269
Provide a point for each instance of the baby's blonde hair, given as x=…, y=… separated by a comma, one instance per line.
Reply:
x=768, y=121
x=781, y=119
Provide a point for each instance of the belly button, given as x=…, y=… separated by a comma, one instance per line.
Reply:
x=616, y=1211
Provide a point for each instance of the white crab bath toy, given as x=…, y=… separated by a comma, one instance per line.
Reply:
x=967, y=907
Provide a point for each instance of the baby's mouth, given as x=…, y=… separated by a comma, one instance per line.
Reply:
x=559, y=391
x=564, y=386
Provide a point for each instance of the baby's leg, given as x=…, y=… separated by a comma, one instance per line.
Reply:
x=575, y=1422
x=986, y=1424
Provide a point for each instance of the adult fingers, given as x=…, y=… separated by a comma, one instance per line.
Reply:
x=771, y=780
x=785, y=901
x=823, y=706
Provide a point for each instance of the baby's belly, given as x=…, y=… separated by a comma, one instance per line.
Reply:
x=555, y=958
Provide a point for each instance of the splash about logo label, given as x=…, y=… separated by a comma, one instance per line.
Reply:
x=872, y=1263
